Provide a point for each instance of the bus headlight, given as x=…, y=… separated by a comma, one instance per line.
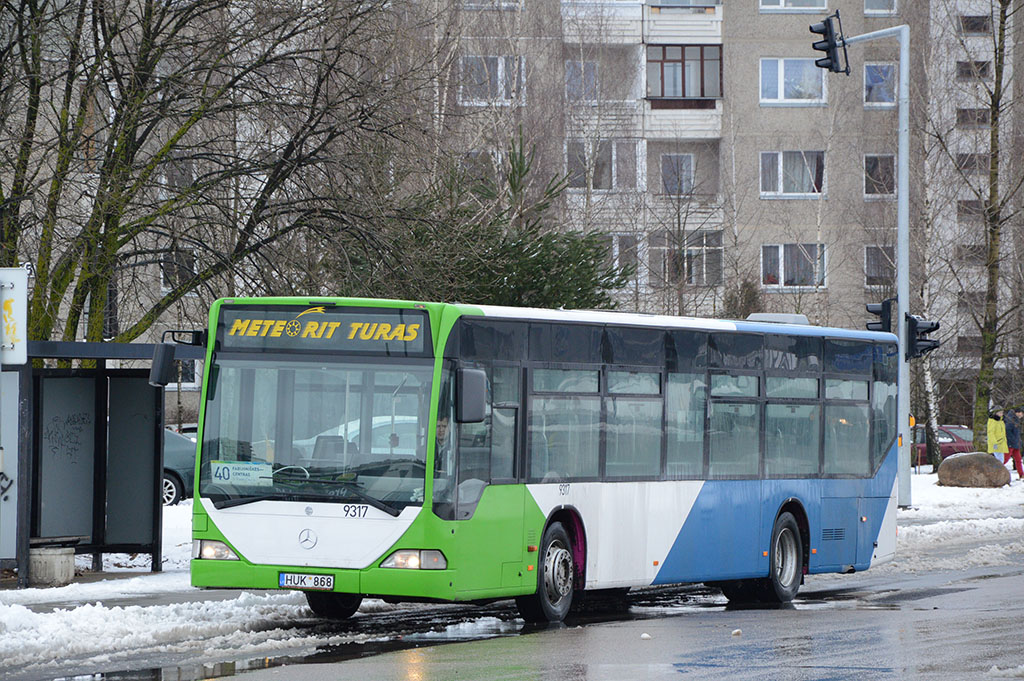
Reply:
x=212, y=550
x=427, y=559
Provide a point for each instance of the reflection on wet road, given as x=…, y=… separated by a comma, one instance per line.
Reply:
x=933, y=626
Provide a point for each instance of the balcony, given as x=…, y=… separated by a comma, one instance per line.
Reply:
x=604, y=119
x=691, y=22
x=602, y=22
x=663, y=120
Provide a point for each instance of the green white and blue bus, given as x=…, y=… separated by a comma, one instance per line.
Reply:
x=355, y=448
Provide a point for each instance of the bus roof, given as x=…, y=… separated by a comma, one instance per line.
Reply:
x=668, y=321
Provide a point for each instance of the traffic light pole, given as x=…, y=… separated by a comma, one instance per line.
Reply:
x=905, y=438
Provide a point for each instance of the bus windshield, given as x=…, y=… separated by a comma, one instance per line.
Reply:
x=317, y=428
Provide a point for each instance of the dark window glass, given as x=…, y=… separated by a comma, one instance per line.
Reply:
x=492, y=340
x=735, y=350
x=973, y=118
x=848, y=357
x=635, y=346
x=883, y=400
x=564, y=438
x=685, y=397
x=792, y=353
x=969, y=70
x=791, y=439
x=633, y=437
x=847, y=449
x=565, y=343
x=686, y=350
x=734, y=431
x=976, y=25
x=681, y=72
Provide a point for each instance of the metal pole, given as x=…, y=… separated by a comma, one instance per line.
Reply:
x=905, y=440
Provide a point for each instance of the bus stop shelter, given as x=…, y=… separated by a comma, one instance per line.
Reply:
x=81, y=454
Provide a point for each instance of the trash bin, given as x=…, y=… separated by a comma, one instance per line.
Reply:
x=51, y=566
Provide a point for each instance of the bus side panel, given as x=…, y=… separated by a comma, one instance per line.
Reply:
x=630, y=526
x=720, y=538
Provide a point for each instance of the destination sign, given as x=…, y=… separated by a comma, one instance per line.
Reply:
x=324, y=328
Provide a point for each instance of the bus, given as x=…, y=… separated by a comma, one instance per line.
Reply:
x=415, y=451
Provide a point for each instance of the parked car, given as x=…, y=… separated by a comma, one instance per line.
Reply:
x=952, y=440
x=179, y=467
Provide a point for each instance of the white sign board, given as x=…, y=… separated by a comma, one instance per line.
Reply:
x=13, y=315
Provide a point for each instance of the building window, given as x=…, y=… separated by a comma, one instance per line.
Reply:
x=792, y=173
x=491, y=80
x=976, y=25
x=480, y=165
x=970, y=212
x=971, y=164
x=879, y=175
x=704, y=258
x=879, y=85
x=677, y=174
x=187, y=375
x=792, y=265
x=611, y=164
x=684, y=71
x=973, y=70
x=969, y=303
x=792, y=81
x=581, y=81
x=621, y=250
x=800, y=5
x=971, y=254
x=177, y=267
x=973, y=118
x=879, y=266
x=697, y=261
x=969, y=345
x=879, y=6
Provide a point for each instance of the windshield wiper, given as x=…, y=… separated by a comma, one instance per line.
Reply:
x=371, y=500
x=240, y=501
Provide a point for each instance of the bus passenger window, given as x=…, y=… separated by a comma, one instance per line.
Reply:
x=685, y=397
x=735, y=437
x=791, y=439
x=847, y=450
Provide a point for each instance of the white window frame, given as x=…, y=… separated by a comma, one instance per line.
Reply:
x=188, y=386
x=691, y=178
x=879, y=197
x=501, y=78
x=781, y=99
x=821, y=261
x=782, y=6
x=895, y=86
x=779, y=193
x=881, y=12
x=164, y=286
x=589, y=147
x=583, y=85
x=697, y=249
x=617, y=251
x=891, y=259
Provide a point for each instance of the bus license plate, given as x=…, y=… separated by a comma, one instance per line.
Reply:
x=292, y=580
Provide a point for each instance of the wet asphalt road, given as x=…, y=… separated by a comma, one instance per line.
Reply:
x=966, y=625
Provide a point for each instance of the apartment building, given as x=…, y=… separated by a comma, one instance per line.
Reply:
x=702, y=139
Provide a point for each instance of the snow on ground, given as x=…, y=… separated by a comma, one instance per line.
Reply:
x=947, y=528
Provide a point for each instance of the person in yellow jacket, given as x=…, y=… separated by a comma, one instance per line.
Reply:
x=997, y=433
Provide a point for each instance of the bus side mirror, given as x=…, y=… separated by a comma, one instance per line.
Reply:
x=471, y=387
x=162, y=372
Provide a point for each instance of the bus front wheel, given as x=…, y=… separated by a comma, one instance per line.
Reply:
x=786, y=561
x=333, y=606
x=555, y=572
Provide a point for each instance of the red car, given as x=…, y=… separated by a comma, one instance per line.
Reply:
x=952, y=440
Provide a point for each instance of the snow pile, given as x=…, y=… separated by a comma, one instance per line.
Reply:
x=176, y=547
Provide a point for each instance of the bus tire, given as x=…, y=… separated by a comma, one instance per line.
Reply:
x=785, y=561
x=333, y=606
x=555, y=579
x=738, y=591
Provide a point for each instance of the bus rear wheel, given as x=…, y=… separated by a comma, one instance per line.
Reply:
x=786, y=561
x=555, y=575
x=333, y=606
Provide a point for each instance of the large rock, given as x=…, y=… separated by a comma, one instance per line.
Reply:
x=973, y=470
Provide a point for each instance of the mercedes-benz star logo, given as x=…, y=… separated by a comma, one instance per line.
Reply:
x=307, y=539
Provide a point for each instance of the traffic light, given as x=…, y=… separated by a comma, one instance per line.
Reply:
x=917, y=330
x=884, y=312
x=828, y=44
